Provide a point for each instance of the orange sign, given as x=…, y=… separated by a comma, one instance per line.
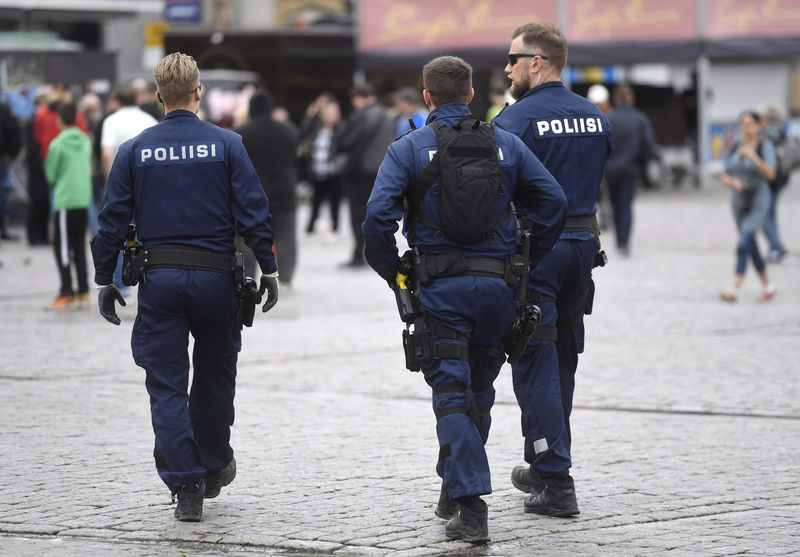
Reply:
x=752, y=18
x=426, y=24
x=624, y=20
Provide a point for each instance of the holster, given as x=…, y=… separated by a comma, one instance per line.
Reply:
x=249, y=298
x=132, y=264
x=247, y=290
x=521, y=332
x=420, y=344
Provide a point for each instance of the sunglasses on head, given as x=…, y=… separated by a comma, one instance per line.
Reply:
x=512, y=58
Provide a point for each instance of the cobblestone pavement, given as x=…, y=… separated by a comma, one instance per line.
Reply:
x=686, y=426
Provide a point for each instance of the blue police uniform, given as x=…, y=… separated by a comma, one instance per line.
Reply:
x=478, y=309
x=572, y=138
x=186, y=182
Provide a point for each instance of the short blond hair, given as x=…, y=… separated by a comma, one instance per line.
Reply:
x=177, y=77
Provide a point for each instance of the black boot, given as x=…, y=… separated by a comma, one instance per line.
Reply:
x=471, y=524
x=556, y=498
x=190, y=502
x=526, y=479
x=216, y=480
x=446, y=508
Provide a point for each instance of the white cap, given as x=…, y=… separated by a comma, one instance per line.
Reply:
x=597, y=94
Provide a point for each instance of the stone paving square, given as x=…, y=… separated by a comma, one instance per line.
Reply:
x=686, y=426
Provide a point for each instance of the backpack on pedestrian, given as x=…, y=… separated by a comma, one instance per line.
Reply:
x=784, y=167
x=468, y=163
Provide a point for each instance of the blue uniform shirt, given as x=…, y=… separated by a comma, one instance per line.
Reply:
x=525, y=180
x=563, y=130
x=183, y=181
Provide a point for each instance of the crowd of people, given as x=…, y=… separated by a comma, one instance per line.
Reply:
x=338, y=158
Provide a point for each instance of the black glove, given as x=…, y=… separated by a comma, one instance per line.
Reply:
x=269, y=283
x=105, y=299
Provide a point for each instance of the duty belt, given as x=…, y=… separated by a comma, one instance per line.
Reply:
x=449, y=265
x=582, y=223
x=187, y=257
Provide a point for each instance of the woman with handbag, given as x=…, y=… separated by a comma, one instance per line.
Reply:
x=749, y=167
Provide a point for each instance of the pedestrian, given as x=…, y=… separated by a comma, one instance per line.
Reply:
x=272, y=147
x=68, y=168
x=749, y=167
x=367, y=132
x=126, y=122
x=633, y=146
x=92, y=107
x=571, y=137
x=324, y=168
x=10, y=144
x=772, y=128
x=465, y=303
x=188, y=184
x=407, y=107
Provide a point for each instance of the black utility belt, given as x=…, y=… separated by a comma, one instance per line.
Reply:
x=432, y=266
x=582, y=223
x=187, y=257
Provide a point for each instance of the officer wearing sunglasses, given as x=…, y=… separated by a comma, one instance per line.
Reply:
x=572, y=138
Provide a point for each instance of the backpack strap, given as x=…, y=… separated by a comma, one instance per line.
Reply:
x=416, y=191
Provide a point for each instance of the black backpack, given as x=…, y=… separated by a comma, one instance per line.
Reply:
x=468, y=163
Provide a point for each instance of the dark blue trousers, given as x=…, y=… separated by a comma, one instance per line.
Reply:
x=621, y=193
x=482, y=309
x=192, y=427
x=544, y=379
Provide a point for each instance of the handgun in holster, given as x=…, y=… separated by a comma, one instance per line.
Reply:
x=528, y=313
x=521, y=332
x=132, y=259
x=247, y=290
x=408, y=308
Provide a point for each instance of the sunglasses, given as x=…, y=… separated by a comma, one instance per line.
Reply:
x=198, y=88
x=512, y=58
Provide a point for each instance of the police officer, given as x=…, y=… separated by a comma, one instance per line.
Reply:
x=464, y=313
x=188, y=185
x=571, y=136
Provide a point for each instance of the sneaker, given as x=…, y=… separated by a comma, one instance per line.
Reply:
x=730, y=295
x=446, y=508
x=190, y=502
x=768, y=294
x=526, y=479
x=216, y=480
x=556, y=498
x=469, y=526
x=61, y=302
x=81, y=299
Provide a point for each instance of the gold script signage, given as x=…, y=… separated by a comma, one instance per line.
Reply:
x=427, y=24
x=621, y=20
x=752, y=18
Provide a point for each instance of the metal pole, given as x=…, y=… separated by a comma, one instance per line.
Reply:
x=703, y=96
x=703, y=120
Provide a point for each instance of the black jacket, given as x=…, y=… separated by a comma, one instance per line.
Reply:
x=10, y=133
x=272, y=146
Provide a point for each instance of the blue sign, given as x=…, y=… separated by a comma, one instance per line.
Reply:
x=183, y=10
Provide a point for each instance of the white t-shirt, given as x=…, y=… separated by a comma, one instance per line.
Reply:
x=124, y=124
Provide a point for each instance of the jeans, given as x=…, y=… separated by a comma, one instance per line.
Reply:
x=770, y=226
x=748, y=220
